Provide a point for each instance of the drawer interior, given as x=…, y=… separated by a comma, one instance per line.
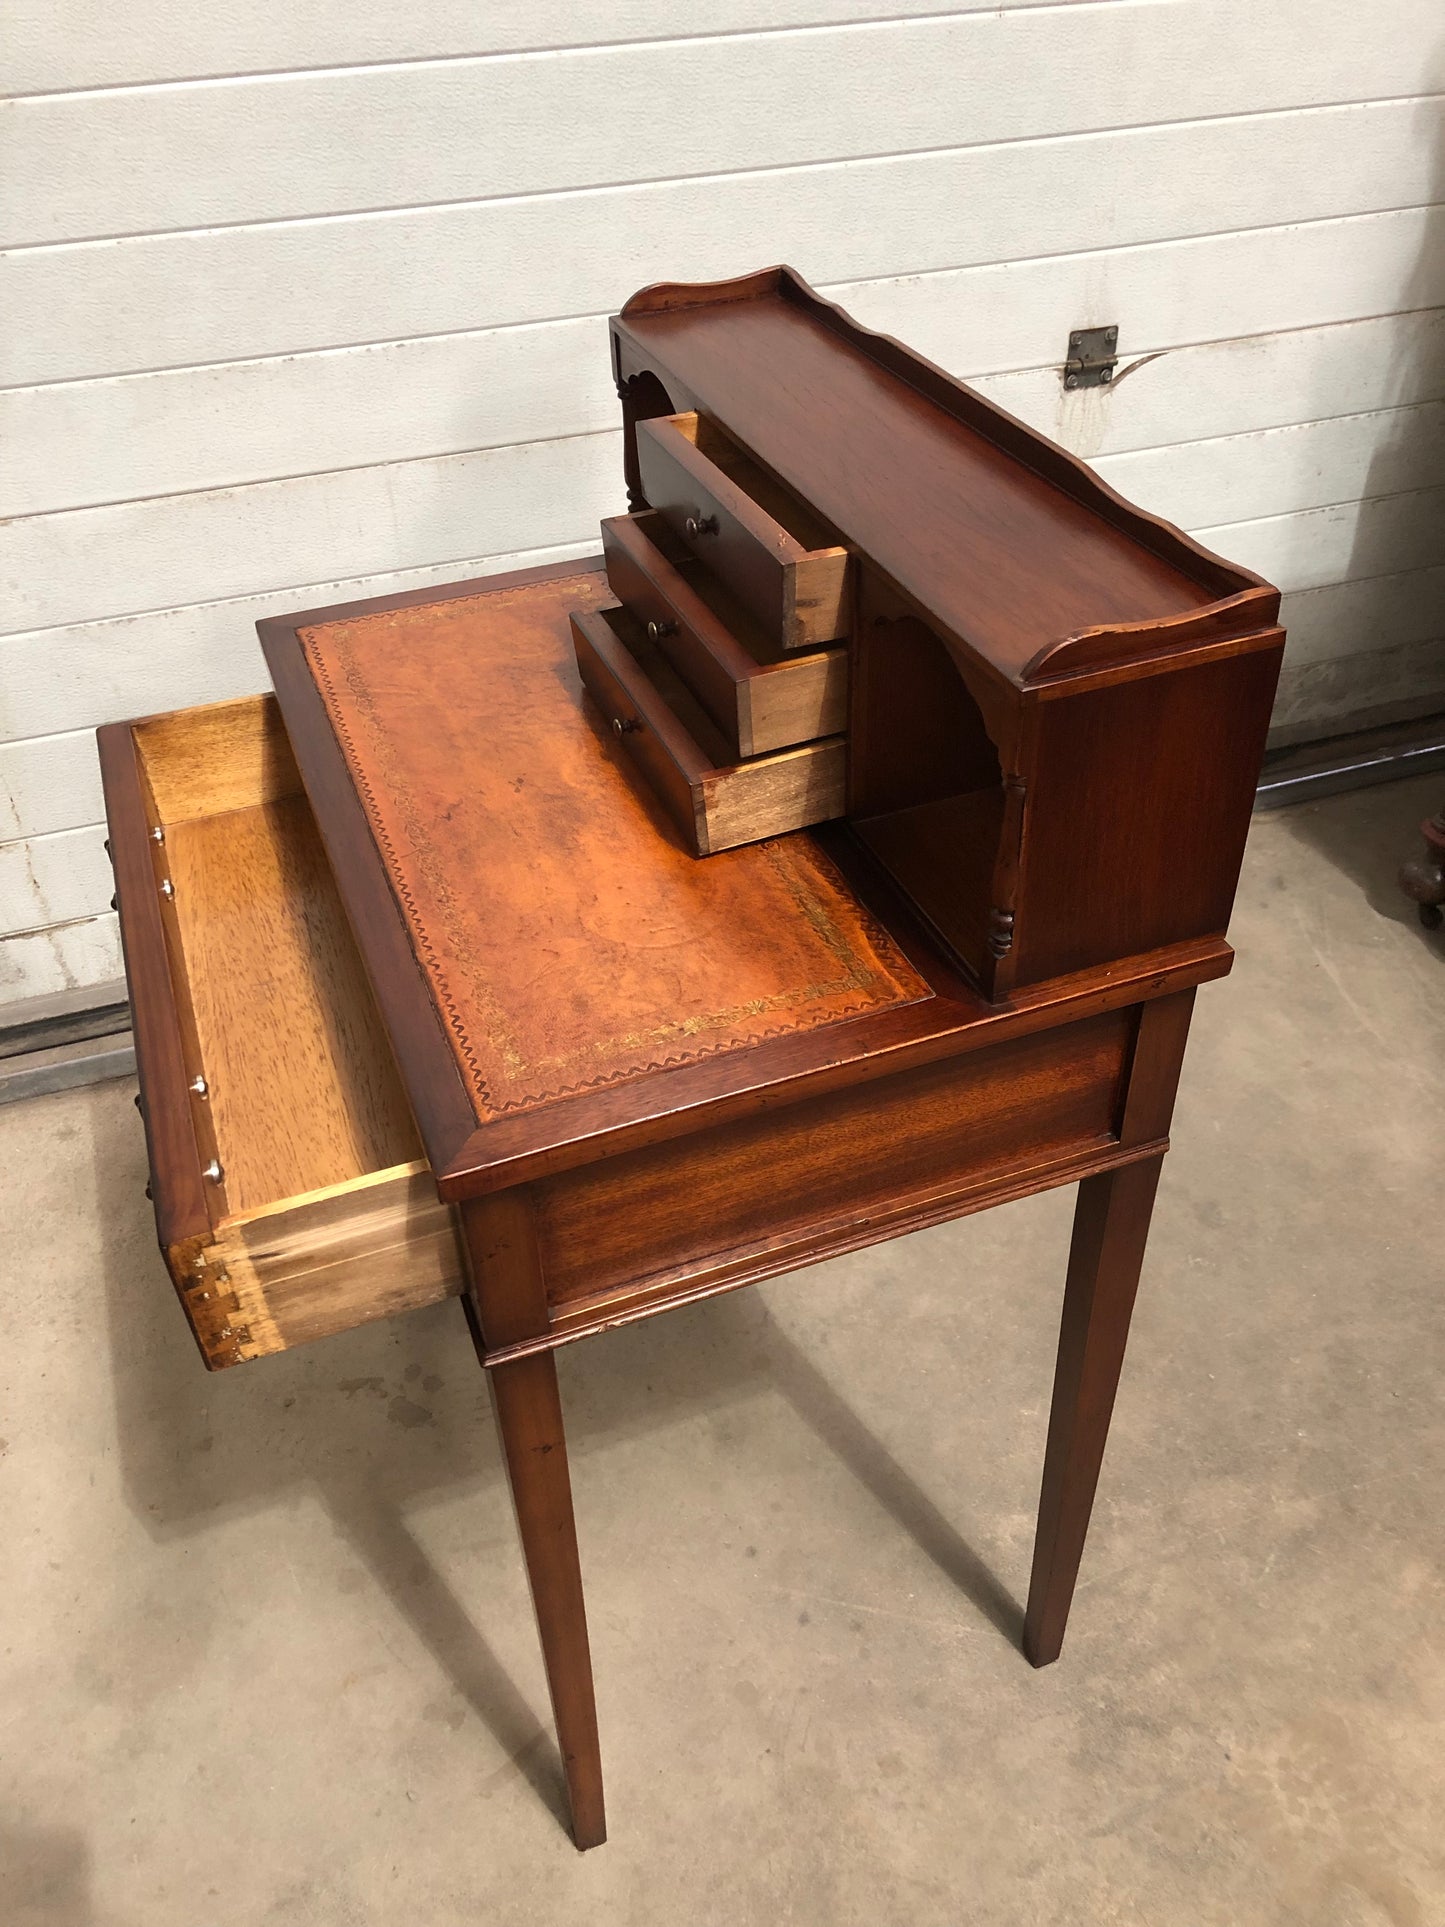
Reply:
x=715, y=445
x=775, y=555
x=671, y=566
x=301, y=1089
x=318, y=1188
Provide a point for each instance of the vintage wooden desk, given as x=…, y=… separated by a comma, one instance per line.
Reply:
x=434, y=996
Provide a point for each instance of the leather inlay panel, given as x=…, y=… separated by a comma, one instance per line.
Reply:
x=568, y=939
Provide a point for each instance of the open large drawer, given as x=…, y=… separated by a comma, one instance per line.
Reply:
x=291, y=1196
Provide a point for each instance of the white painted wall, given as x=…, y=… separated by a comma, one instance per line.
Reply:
x=308, y=302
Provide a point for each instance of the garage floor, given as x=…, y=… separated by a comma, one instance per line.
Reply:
x=267, y=1653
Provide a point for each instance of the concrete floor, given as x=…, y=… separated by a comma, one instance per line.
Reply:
x=268, y=1656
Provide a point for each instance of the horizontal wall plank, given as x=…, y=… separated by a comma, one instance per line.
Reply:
x=102, y=672
x=49, y=783
x=70, y=444
x=1184, y=392
x=121, y=437
x=87, y=564
x=1374, y=613
x=1380, y=611
x=1358, y=690
x=1385, y=536
x=1007, y=314
x=56, y=44
x=280, y=147
x=70, y=956
x=54, y=879
x=1275, y=471
x=171, y=300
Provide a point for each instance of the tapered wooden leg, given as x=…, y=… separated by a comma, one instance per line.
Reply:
x=1111, y=1225
x=529, y=1418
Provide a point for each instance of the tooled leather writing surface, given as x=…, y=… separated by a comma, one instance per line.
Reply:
x=568, y=939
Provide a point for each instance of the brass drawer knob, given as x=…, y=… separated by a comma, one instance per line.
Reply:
x=657, y=630
x=697, y=525
x=622, y=725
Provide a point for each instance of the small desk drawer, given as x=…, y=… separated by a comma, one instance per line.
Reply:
x=717, y=803
x=769, y=548
x=291, y=1196
x=760, y=698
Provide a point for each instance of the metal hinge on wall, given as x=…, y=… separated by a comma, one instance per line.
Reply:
x=1092, y=355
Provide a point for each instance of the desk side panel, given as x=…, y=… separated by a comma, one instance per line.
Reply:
x=1138, y=803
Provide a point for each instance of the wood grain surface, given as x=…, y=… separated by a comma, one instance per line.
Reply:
x=818, y=1168
x=1138, y=810
x=217, y=757
x=303, y=1091
x=173, y=1152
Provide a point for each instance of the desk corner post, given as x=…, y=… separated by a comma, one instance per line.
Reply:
x=505, y=1301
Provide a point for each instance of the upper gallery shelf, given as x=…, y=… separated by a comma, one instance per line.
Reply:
x=1025, y=561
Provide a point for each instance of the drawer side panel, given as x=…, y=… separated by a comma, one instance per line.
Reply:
x=177, y=1186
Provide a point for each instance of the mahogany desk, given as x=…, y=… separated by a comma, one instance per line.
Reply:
x=432, y=998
